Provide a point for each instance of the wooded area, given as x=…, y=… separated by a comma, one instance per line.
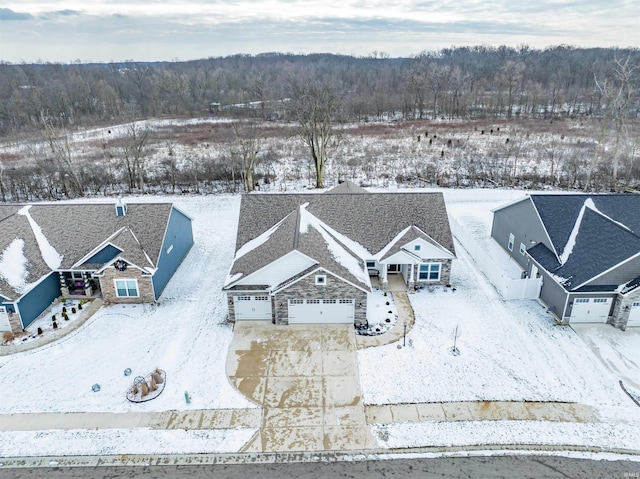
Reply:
x=321, y=93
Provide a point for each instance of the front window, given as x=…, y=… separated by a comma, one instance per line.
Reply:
x=126, y=288
x=416, y=247
x=371, y=264
x=321, y=279
x=429, y=272
x=523, y=249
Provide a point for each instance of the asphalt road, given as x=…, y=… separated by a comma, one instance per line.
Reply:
x=511, y=467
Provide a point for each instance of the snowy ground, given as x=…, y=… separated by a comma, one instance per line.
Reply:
x=509, y=351
x=186, y=335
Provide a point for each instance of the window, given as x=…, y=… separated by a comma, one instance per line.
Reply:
x=371, y=264
x=169, y=249
x=296, y=301
x=582, y=300
x=76, y=275
x=512, y=240
x=243, y=298
x=635, y=305
x=416, y=247
x=346, y=301
x=321, y=279
x=523, y=249
x=329, y=301
x=126, y=288
x=429, y=272
x=261, y=298
x=600, y=300
x=313, y=301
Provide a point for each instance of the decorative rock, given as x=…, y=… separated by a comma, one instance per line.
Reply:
x=95, y=388
x=127, y=372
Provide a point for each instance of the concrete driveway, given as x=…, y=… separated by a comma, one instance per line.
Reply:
x=306, y=379
x=618, y=350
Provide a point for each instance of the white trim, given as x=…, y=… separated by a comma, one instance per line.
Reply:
x=244, y=278
x=115, y=285
x=510, y=203
x=438, y=244
x=429, y=272
x=98, y=248
x=321, y=279
x=523, y=249
x=129, y=265
x=511, y=243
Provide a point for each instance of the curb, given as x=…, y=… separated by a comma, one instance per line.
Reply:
x=292, y=457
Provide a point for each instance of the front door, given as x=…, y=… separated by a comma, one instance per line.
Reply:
x=393, y=268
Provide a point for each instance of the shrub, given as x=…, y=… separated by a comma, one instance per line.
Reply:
x=387, y=303
x=8, y=336
x=64, y=309
x=65, y=316
x=73, y=310
x=39, y=331
x=80, y=306
x=53, y=318
x=55, y=325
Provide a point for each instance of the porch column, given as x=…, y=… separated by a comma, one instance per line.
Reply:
x=87, y=285
x=411, y=284
x=64, y=289
x=385, y=281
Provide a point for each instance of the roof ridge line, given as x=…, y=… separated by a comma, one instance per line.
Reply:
x=296, y=232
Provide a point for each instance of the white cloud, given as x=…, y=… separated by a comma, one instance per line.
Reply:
x=118, y=30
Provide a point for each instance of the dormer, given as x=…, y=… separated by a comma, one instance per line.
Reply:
x=121, y=208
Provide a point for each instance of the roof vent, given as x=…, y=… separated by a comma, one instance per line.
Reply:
x=121, y=208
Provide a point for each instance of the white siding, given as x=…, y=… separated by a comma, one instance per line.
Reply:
x=426, y=250
x=280, y=270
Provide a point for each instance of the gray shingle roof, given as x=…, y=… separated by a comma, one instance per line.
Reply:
x=74, y=230
x=346, y=187
x=601, y=241
x=373, y=220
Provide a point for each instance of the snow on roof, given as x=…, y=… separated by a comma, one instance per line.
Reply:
x=13, y=265
x=590, y=204
x=232, y=279
x=339, y=254
x=51, y=257
x=571, y=242
x=258, y=240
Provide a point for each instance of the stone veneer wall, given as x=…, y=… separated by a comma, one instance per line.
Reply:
x=445, y=273
x=307, y=288
x=108, y=287
x=622, y=309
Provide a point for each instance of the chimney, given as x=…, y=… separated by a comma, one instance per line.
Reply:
x=121, y=208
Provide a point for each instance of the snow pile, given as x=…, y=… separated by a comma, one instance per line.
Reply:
x=51, y=257
x=571, y=242
x=13, y=265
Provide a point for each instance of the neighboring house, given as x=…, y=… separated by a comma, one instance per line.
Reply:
x=125, y=253
x=307, y=258
x=585, y=247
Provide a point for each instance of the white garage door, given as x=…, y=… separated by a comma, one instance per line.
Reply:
x=5, y=325
x=252, y=308
x=590, y=310
x=634, y=315
x=321, y=311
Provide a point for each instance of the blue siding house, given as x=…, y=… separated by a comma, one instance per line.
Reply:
x=124, y=253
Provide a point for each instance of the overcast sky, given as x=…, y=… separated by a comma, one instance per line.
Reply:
x=147, y=30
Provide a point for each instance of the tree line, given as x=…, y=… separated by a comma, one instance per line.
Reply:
x=454, y=83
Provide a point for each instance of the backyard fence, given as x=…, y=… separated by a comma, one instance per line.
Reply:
x=496, y=267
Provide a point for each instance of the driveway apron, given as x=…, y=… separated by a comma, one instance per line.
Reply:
x=306, y=379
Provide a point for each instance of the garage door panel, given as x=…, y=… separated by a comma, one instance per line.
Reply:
x=308, y=311
x=590, y=310
x=252, y=308
x=634, y=315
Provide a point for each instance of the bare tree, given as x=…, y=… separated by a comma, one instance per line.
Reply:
x=315, y=105
x=617, y=91
x=62, y=153
x=135, y=154
x=244, y=147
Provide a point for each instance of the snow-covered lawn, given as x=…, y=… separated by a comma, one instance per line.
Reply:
x=185, y=335
x=509, y=351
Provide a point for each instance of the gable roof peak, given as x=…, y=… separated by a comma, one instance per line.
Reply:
x=346, y=187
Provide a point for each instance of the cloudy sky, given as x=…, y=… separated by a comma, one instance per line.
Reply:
x=147, y=30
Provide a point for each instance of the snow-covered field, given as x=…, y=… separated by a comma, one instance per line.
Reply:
x=509, y=351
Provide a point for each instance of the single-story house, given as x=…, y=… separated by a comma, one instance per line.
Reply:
x=308, y=257
x=585, y=247
x=125, y=253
